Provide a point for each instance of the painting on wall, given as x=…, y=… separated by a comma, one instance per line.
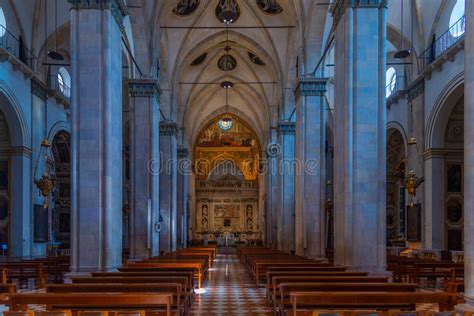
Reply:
x=269, y=6
x=185, y=7
x=414, y=223
x=4, y=175
x=454, y=178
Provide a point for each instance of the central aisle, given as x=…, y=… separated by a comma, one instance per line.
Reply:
x=230, y=291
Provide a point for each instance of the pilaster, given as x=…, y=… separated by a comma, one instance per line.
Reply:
x=144, y=157
x=184, y=172
x=168, y=186
x=286, y=187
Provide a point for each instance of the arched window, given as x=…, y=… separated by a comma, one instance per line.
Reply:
x=3, y=23
x=457, y=25
x=391, y=80
x=64, y=82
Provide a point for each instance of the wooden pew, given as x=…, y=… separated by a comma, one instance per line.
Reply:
x=455, y=283
x=274, y=288
x=198, y=268
x=260, y=267
x=26, y=270
x=5, y=291
x=212, y=249
x=96, y=301
x=283, y=300
x=182, y=257
x=54, y=266
x=183, y=273
x=370, y=300
x=434, y=270
x=179, y=294
x=183, y=281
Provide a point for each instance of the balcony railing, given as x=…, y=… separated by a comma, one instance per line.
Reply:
x=15, y=47
x=453, y=35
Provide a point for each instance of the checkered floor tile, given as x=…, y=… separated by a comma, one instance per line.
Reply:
x=230, y=291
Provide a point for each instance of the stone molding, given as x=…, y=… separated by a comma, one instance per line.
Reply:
x=143, y=88
x=168, y=128
x=310, y=86
x=39, y=89
x=286, y=128
x=416, y=89
x=183, y=152
x=21, y=151
x=116, y=7
x=434, y=153
x=338, y=7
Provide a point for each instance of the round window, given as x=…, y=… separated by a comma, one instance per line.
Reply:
x=3, y=23
x=391, y=80
x=225, y=124
x=457, y=24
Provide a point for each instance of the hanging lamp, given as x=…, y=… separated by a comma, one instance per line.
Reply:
x=54, y=54
x=44, y=178
x=402, y=53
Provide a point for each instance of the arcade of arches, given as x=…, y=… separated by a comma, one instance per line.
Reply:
x=340, y=129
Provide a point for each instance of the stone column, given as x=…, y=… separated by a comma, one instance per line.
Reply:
x=21, y=236
x=96, y=119
x=39, y=101
x=469, y=159
x=286, y=187
x=434, y=229
x=184, y=172
x=273, y=150
x=168, y=186
x=310, y=176
x=144, y=162
x=360, y=134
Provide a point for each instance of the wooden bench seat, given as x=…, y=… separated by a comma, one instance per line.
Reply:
x=367, y=300
x=282, y=298
x=180, y=297
x=95, y=301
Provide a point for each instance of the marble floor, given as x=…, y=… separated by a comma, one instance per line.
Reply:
x=230, y=291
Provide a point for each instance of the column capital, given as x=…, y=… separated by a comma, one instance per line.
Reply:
x=168, y=128
x=116, y=7
x=338, y=7
x=39, y=89
x=143, y=87
x=310, y=86
x=183, y=152
x=286, y=128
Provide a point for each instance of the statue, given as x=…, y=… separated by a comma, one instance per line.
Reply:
x=249, y=211
x=205, y=211
x=249, y=224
